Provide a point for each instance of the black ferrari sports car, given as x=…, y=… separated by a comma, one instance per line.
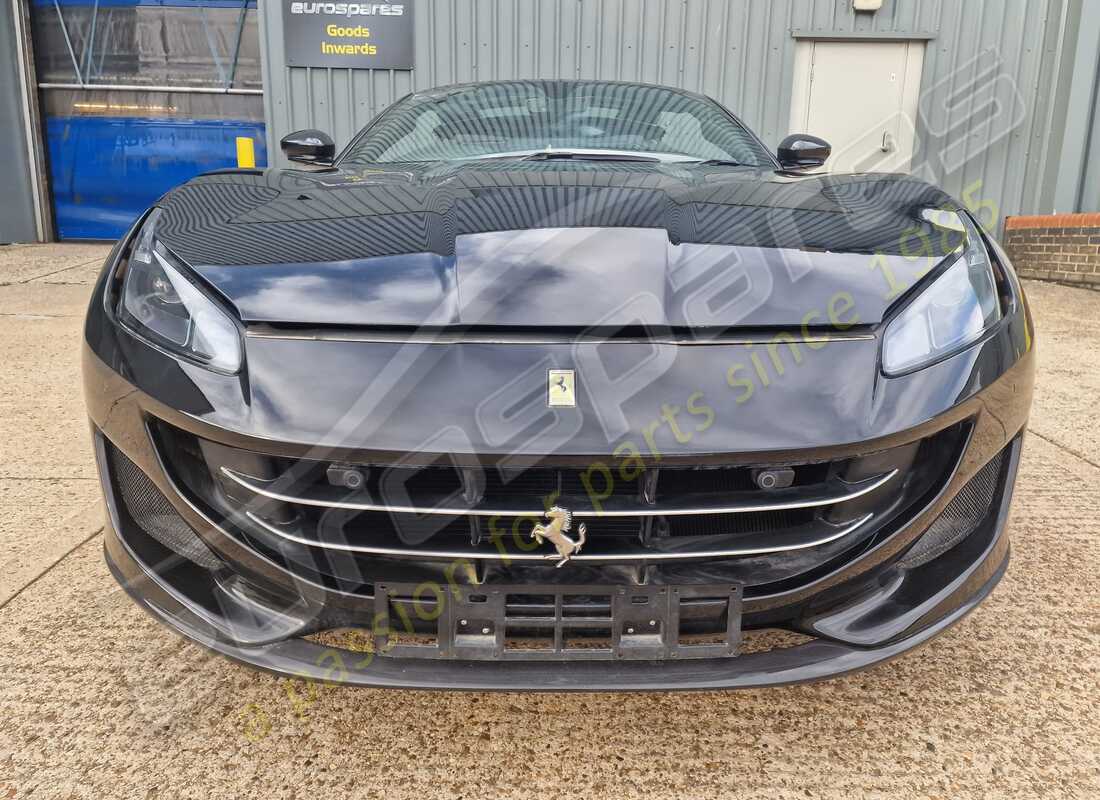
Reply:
x=557, y=385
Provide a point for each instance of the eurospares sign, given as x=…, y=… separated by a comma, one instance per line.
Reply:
x=348, y=35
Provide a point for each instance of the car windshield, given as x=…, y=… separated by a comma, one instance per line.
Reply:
x=556, y=119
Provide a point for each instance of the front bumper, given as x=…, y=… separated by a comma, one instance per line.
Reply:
x=300, y=658
x=868, y=607
x=871, y=609
x=897, y=599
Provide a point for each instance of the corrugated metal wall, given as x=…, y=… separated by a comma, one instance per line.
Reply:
x=990, y=86
x=18, y=202
x=1080, y=169
x=1089, y=199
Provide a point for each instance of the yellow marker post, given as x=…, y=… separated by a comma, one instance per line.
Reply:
x=246, y=152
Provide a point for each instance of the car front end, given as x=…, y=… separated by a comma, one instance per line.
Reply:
x=558, y=426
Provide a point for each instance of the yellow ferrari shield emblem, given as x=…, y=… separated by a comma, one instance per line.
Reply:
x=562, y=389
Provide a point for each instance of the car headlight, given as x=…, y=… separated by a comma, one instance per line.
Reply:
x=162, y=305
x=953, y=312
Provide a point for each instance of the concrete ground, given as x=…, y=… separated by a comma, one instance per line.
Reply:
x=100, y=701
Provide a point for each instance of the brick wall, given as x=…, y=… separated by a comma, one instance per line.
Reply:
x=1055, y=247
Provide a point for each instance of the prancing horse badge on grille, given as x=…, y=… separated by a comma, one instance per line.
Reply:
x=561, y=520
x=561, y=389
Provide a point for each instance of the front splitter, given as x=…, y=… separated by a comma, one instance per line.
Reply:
x=304, y=659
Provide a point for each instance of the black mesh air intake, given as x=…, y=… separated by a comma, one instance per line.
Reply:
x=963, y=514
x=150, y=510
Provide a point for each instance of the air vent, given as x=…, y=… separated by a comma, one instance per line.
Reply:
x=150, y=510
x=963, y=514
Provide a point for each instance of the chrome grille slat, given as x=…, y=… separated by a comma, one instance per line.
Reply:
x=671, y=550
x=443, y=509
x=797, y=497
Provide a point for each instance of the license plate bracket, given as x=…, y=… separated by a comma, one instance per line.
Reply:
x=554, y=622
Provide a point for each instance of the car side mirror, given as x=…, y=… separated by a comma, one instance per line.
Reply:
x=802, y=151
x=309, y=147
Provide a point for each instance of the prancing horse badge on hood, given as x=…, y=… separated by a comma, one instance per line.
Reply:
x=562, y=389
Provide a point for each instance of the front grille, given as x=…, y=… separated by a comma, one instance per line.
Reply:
x=538, y=481
x=726, y=480
x=664, y=515
x=752, y=522
x=150, y=510
x=968, y=509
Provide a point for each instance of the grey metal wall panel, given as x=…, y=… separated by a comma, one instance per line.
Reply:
x=1078, y=178
x=990, y=72
x=1078, y=185
x=1090, y=181
x=17, y=201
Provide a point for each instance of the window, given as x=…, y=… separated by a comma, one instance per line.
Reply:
x=483, y=121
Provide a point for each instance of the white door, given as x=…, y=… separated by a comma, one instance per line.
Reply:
x=861, y=97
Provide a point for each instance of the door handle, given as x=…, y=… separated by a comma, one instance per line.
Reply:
x=887, y=145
